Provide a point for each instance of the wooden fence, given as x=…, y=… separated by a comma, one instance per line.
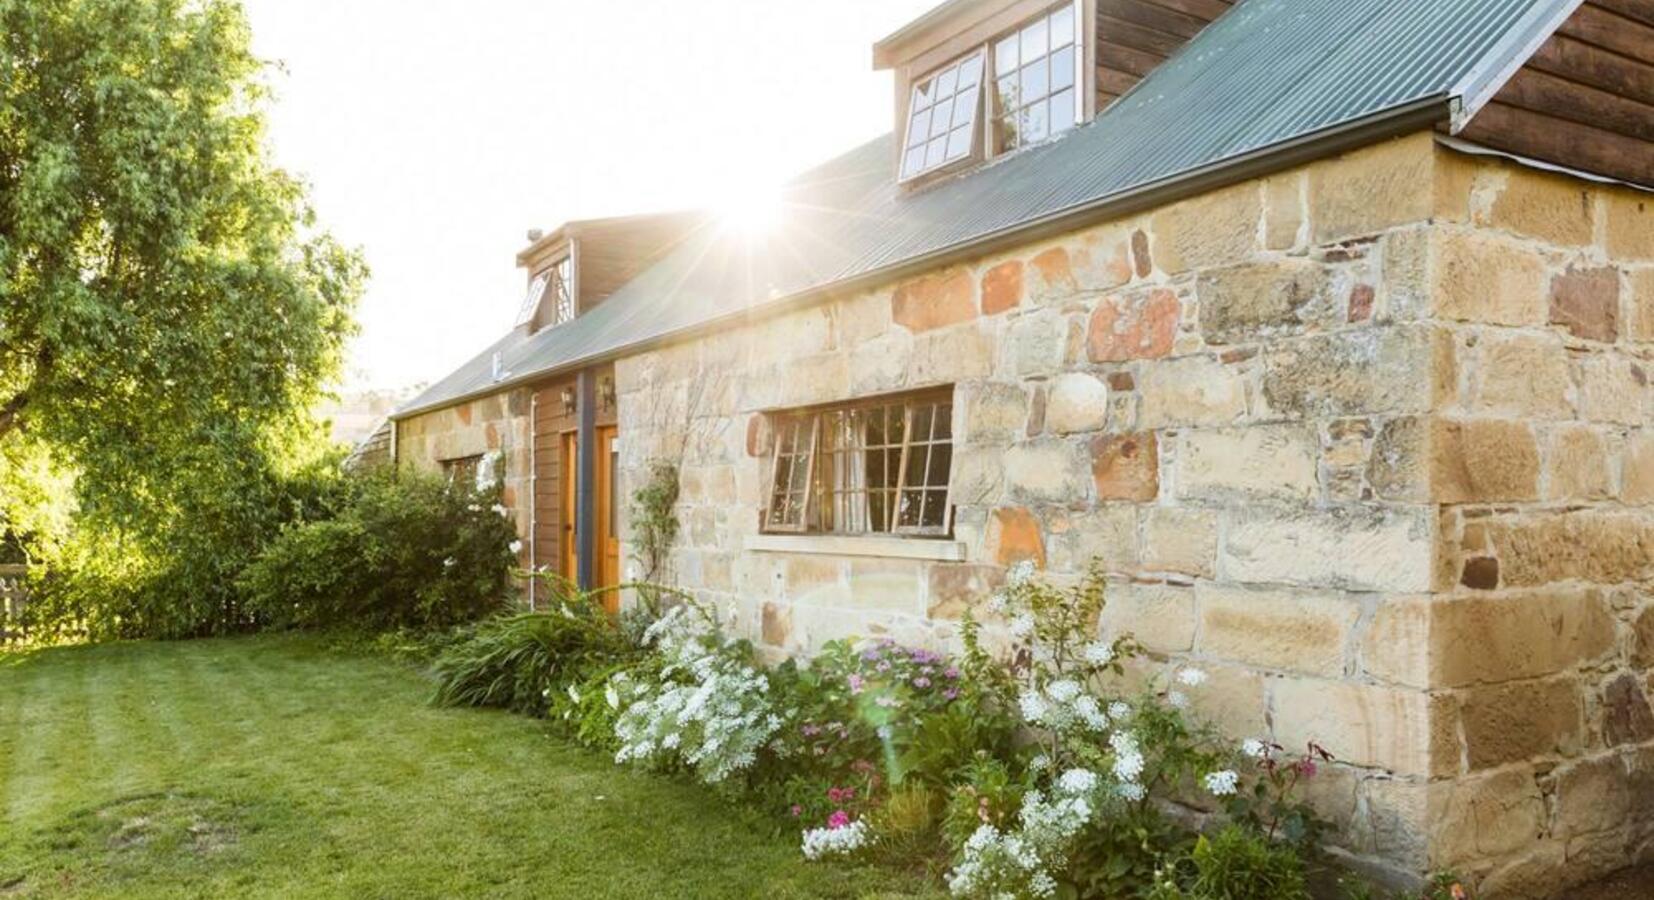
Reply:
x=14, y=597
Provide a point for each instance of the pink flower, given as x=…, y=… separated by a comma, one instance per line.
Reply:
x=855, y=683
x=835, y=796
x=838, y=819
x=952, y=672
x=797, y=810
x=1306, y=767
x=951, y=693
x=921, y=682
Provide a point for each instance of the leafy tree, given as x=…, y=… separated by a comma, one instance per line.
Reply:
x=168, y=311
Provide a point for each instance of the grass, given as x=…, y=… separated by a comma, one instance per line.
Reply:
x=274, y=766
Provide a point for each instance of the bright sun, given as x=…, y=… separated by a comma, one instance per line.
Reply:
x=751, y=209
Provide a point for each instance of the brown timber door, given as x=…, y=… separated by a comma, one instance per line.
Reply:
x=608, y=519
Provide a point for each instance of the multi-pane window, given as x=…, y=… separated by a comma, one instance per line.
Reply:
x=941, y=122
x=1035, y=70
x=875, y=467
x=553, y=286
x=463, y=470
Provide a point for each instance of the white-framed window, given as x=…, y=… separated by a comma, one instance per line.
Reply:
x=1033, y=74
x=877, y=466
x=942, y=116
x=553, y=290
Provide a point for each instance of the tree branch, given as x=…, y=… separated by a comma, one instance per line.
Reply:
x=11, y=413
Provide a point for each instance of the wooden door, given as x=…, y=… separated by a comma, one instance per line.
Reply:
x=608, y=515
x=569, y=565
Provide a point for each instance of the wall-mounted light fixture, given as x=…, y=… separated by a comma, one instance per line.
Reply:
x=568, y=400
x=606, y=391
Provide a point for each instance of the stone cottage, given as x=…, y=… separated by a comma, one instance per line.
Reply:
x=1325, y=325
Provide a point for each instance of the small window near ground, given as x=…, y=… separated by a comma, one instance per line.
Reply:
x=876, y=467
x=465, y=470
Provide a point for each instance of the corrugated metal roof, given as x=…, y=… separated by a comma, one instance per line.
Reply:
x=1268, y=74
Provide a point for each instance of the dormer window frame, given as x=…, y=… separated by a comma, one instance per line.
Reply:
x=553, y=297
x=988, y=142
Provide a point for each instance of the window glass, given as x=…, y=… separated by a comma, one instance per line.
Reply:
x=1034, y=70
x=943, y=117
x=869, y=468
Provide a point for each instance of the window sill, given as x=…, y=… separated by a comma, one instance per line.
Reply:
x=940, y=550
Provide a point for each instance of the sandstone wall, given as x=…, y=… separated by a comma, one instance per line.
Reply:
x=1359, y=439
x=496, y=425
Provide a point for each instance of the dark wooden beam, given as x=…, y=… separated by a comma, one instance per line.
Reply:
x=585, y=502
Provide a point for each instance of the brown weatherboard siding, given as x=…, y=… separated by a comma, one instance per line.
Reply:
x=1586, y=98
x=550, y=424
x=1134, y=36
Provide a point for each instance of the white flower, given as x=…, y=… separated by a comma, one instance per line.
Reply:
x=574, y=694
x=1020, y=573
x=448, y=563
x=1022, y=625
x=1033, y=706
x=1039, y=763
x=1118, y=710
x=612, y=696
x=499, y=508
x=1192, y=677
x=1064, y=690
x=1078, y=781
x=997, y=604
x=1131, y=790
x=1253, y=748
x=1177, y=699
x=1128, y=759
x=1099, y=653
x=515, y=547
x=820, y=842
x=1090, y=712
x=1221, y=783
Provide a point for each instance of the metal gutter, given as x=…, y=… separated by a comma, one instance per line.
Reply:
x=1407, y=118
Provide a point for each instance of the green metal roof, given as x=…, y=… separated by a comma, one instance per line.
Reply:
x=1268, y=79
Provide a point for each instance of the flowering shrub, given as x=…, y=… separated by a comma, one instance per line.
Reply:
x=706, y=707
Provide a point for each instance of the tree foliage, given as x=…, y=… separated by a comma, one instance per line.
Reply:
x=169, y=312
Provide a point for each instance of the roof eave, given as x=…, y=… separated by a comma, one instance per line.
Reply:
x=1409, y=117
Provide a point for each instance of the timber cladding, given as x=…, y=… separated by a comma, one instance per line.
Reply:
x=1586, y=98
x=554, y=425
x=1134, y=36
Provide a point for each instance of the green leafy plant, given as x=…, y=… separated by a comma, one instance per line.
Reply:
x=1234, y=864
x=530, y=661
x=654, y=520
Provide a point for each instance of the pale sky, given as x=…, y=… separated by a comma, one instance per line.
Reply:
x=435, y=133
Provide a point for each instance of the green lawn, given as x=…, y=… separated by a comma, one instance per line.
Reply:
x=274, y=766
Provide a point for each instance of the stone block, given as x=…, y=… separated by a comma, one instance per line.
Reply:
x=1587, y=545
x=1484, y=640
x=1552, y=208
x=1100, y=259
x=1002, y=287
x=888, y=585
x=1076, y=402
x=1516, y=721
x=1637, y=469
x=776, y=624
x=1525, y=375
x=1234, y=700
x=978, y=475
x=1283, y=211
x=957, y=587
x=1630, y=221
x=1274, y=462
x=1613, y=389
x=1050, y=276
x=1256, y=300
x=1107, y=534
x=1359, y=372
x=1586, y=302
x=1396, y=645
x=1036, y=344
x=880, y=365
x=1218, y=228
x=1394, y=825
x=1126, y=466
x=1137, y=325
x=1640, y=322
x=1161, y=617
x=950, y=355
x=1275, y=628
x=1360, y=724
x=1355, y=548
x=1576, y=465
x=1591, y=796
x=934, y=300
x=1014, y=534
x=1485, y=817
x=1192, y=390
x=994, y=412
x=1180, y=540
x=1483, y=461
x=1047, y=471
x=1483, y=278
x=1399, y=468
x=1625, y=714
x=1371, y=189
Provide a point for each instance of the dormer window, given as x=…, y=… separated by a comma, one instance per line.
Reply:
x=550, y=297
x=1033, y=69
x=941, y=126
